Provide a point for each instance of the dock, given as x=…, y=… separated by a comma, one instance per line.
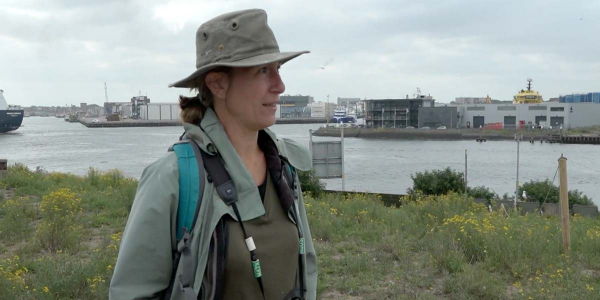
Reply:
x=570, y=139
x=458, y=134
x=103, y=123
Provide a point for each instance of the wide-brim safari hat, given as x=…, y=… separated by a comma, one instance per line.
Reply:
x=236, y=39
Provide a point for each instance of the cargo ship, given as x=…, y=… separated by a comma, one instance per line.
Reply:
x=11, y=117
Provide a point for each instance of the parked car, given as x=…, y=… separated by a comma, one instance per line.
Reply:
x=442, y=127
x=426, y=127
x=95, y=121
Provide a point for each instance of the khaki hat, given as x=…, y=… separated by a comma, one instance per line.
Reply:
x=236, y=39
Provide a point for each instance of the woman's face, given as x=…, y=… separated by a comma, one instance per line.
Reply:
x=252, y=94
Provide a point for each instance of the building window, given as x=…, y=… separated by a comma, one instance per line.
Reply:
x=537, y=108
x=507, y=108
x=557, y=109
x=475, y=107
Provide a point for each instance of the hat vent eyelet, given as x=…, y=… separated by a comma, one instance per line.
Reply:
x=205, y=36
x=234, y=25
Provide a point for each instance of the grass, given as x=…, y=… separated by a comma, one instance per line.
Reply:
x=593, y=130
x=441, y=247
x=60, y=233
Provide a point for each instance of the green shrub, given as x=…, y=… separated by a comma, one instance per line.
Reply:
x=93, y=177
x=25, y=181
x=310, y=183
x=15, y=217
x=482, y=192
x=536, y=191
x=60, y=212
x=437, y=182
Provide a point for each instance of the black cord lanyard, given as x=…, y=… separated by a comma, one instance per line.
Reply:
x=256, y=262
x=252, y=248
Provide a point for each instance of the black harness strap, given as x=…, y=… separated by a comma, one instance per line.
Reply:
x=226, y=190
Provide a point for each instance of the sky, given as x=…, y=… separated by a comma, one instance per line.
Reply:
x=62, y=52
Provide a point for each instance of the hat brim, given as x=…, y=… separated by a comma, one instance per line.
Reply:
x=254, y=61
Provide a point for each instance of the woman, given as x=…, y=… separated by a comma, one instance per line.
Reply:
x=238, y=84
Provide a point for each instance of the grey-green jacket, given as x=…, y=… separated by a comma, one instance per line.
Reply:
x=144, y=265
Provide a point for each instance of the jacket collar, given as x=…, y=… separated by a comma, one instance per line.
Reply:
x=212, y=138
x=210, y=122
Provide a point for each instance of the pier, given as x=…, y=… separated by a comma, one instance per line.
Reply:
x=457, y=134
x=103, y=123
x=594, y=140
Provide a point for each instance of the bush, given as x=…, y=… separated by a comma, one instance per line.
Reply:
x=482, y=192
x=437, y=182
x=310, y=183
x=536, y=191
x=60, y=212
x=15, y=217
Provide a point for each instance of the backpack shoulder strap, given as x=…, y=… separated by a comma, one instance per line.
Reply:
x=191, y=184
x=220, y=178
x=191, y=188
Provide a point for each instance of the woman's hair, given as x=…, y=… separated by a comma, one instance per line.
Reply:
x=194, y=108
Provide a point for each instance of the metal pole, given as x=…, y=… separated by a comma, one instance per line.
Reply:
x=395, y=116
x=343, y=177
x=327, y=112
x=310, y=146
x=407, y=117
x=382, y=110
x=517, y=183
x=466, y=178
x=564, y=204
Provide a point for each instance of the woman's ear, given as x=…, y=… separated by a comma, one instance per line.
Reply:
x=218, y=83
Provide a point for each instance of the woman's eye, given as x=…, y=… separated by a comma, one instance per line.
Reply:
x=263, y=70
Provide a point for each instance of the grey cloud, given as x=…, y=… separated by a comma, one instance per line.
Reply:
x=379, y=48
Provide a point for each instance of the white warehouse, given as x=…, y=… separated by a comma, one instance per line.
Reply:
x=159, y=111
x=569, y=115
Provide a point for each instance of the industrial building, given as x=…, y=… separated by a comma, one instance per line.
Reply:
x=395, y=113
x=568, y=115
x=347, y=102
x=580, y=98
x=159, y=111
x=321, y=109
x=141, y=108
x=435, y=117
x=117, y=108
x=295, y=106
x=473, y=100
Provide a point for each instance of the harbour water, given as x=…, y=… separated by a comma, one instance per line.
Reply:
x=377, y=165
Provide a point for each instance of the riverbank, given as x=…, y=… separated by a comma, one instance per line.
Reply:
x=433, y=134
x=442, y=247
x=533, y=135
